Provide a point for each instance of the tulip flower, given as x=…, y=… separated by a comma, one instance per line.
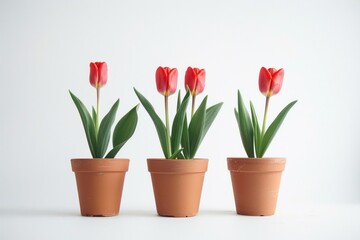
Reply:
x=270, y=81
x=166, y=80
x=98, y=78
x=195, y=82
x=98, y=74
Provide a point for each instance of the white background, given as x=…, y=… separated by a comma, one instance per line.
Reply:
x=45, y=50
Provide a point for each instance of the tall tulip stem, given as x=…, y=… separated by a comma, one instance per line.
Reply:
x=265, y=115
x=97, y=111
x=193, y=105
x=167, y=125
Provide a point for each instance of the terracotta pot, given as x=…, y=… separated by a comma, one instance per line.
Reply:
x=177, y=185
x=256, y=184
x=100, y=184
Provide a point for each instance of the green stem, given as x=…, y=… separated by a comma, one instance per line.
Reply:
x=97, y=111
x=167, y=126
x=265, y=116
x=193, y=106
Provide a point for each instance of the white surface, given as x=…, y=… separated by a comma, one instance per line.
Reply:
x=45, y=49
x=301, y=222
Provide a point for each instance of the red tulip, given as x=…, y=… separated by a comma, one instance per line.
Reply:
x=98, y=74
x=166, y=80
x=195, y=80
x=270, y=81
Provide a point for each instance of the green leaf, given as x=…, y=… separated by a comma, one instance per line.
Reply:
x=126, y=126
x=245, y=127
x=237, y=116
x=88, y=124
x=112, y=153
x=123, y=131
x=196, y=128
x=176, y=154
x=159, y=125
x=178, y=101
x=180, y=155
x=211, y=114
x=257, y=132
x=178, y=123
x=105, y=130
x=273, y=128
x=185, y=142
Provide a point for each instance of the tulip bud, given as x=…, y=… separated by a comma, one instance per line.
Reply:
x=270, y=81
x=98, y=74
x=166, y=80
x=195, y=80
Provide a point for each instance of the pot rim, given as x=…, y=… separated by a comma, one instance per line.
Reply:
x=263, y=158
x=100, y=164
x=177, y=166
x=99, y=159
x=170, y=159
x=256, y=164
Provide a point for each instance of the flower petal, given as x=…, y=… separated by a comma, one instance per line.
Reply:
x=190, y=81
x=102, y=73
x=93, y=74
x=161, y=82
x=264, y=81
x=277, y=80
x=172, y=81
x=200, y=83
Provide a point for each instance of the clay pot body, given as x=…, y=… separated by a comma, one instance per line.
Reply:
x=256, y=184
x=100, y=184
x=177, y=185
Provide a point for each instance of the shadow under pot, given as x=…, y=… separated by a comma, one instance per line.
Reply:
x=100, y=183
x=177, y=185
x=256, y=184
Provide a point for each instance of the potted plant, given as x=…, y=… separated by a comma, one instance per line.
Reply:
x=100, y=179
x=178, y=178
x=256, y=179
